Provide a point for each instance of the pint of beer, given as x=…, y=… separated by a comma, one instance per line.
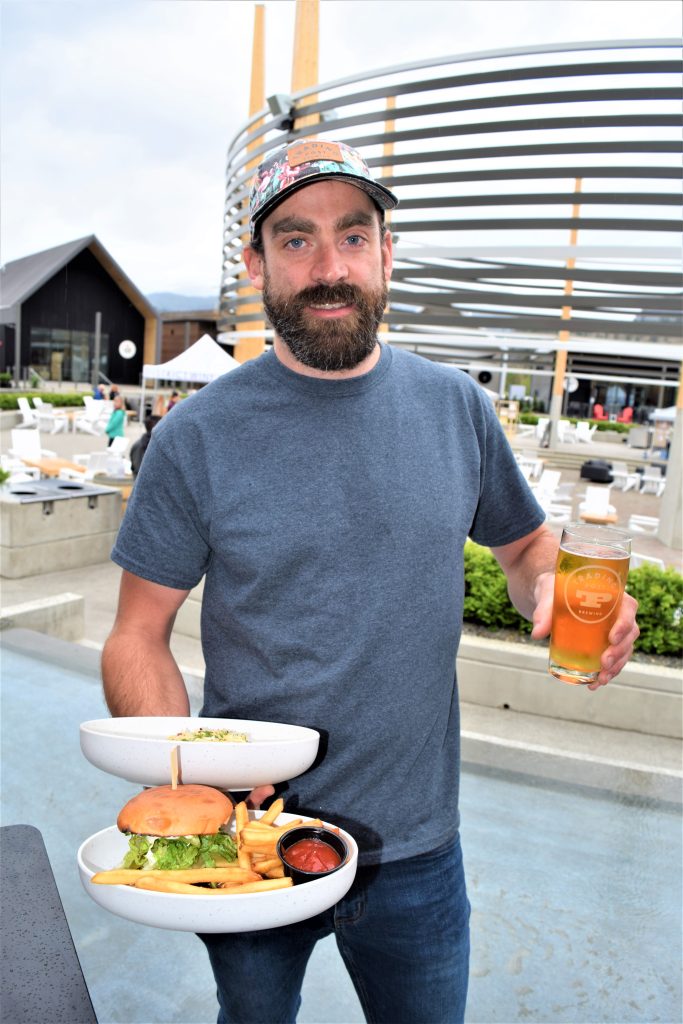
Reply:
x=591, y=572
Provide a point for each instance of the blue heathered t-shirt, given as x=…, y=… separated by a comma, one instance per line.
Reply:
x=329, y=517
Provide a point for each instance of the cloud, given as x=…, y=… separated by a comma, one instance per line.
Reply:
x=116, y=114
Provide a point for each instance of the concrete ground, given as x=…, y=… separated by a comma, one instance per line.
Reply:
x=576, y=893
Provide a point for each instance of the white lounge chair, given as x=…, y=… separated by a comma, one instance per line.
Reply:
x=653, y=481
x=541, y=428
x=596, y=505
x=622, y=479
x=644, y=524
x=46, y=417
x=638, y=560
x=95, y=462
x=28, y=416
x=547, y=484
x=584, y=432
x=566, y=432
x=18, y=471
x=94, y=419
x=26, y=444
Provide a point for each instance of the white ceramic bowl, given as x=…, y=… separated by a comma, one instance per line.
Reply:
x=139, y=750
x=229, y=913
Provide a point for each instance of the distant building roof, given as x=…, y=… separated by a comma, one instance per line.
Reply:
x=21, y=278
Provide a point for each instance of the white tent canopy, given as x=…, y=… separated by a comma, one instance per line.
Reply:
x=668, y=415
x=200, y=363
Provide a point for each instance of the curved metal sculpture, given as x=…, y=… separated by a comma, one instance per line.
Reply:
x=540, y=192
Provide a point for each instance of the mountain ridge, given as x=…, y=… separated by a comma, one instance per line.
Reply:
x=173, y=302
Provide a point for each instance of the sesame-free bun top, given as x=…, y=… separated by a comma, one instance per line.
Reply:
x=184, y=811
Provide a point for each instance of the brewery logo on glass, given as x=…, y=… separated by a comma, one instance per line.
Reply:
x=591, y=593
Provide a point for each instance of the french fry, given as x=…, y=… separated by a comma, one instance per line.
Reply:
x=168, y=885
x=130, y=876
x=265, y=885
x=278, y=872
x=241, y=817
x=179, y=888
x=273, y=812
x=265, y=865
x=241, y=821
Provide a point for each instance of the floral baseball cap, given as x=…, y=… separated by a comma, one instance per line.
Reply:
x=304, y=162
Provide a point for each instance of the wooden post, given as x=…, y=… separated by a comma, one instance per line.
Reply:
x=305, y=55
x=249, y=348
x=561, y=354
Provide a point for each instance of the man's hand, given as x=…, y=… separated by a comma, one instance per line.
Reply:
x=258, y=795
x=622, y=636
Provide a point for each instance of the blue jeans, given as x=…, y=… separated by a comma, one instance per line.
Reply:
x=402, y=931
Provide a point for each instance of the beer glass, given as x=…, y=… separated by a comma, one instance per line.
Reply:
x=590, y=577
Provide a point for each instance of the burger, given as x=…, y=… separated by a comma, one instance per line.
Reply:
x=179, y=828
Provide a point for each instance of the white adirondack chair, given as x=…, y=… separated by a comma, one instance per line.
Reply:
x=596, y=504
x=644, y=524
x=622, y=479
x=653, y=481
x=584, y=432
x=46, y=417
x=28, y=416
x=94, y=419
x=26, y=444
x=638, y=560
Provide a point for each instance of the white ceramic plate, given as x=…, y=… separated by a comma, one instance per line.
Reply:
x=229, y=913
x=138, y=749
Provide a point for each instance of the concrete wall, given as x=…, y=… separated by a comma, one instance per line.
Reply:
x=644, y=698
x=62, y=616
x=62, y=534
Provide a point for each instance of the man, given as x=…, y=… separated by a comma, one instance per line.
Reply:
x=326, y=491
x=137, y=452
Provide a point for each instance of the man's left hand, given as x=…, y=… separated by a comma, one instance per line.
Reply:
x=622, y=636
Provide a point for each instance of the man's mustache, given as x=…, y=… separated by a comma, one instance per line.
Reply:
x=349, y=294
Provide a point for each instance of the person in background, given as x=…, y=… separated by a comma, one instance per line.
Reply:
x=138, y=450
x=114, y=390
x=99, y=392
x=173, y=400
x=159, y=407
x=325, y=491
x=117, y=421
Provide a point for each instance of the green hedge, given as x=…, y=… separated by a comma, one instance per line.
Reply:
x=659, y=594
x=531, y=418
x=8, y=400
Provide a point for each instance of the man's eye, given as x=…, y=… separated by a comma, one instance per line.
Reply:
x=354, y=240
x=294, y=243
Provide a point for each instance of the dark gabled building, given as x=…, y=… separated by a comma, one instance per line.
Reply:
x=49, y=301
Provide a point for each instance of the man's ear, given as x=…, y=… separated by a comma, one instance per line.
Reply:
x=387, y=255
x=253, y=261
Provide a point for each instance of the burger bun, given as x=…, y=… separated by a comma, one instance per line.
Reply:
x=184, y=811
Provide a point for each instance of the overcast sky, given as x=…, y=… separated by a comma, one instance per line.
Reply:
x=116, y=114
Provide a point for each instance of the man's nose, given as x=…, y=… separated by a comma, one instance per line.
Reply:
x=329, y=265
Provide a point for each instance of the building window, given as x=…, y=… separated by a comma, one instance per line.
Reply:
x=58, y=354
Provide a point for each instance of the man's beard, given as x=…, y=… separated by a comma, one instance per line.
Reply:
x=334, y=343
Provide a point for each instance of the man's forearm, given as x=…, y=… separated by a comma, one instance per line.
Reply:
x=141, y=677
x=524, y=563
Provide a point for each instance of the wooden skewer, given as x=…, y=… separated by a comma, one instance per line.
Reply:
x=174, y=767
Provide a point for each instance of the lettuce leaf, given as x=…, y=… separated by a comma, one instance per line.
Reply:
x=176, y=854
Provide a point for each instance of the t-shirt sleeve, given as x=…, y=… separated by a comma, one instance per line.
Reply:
x=507, y=508
x=162, y=536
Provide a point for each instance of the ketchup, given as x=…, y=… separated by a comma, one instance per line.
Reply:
x=312, y=855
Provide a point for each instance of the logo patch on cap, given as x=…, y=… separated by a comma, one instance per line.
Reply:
x=302, y=163
x=305, y=152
